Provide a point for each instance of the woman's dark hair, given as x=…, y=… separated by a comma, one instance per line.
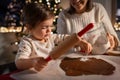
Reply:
x=36, y=12
x=89, y=6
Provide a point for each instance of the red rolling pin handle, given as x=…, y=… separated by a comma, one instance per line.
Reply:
x=87, y=28
x=48, y=59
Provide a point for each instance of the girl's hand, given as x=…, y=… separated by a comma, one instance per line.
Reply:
x=85, y=46
x=39, y=63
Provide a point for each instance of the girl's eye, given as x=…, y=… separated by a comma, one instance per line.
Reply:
x=46, y=27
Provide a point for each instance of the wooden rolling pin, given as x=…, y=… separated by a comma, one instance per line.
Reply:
x=68, y=43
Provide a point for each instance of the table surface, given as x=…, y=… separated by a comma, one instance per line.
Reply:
x=7, y=76
x=53, y=72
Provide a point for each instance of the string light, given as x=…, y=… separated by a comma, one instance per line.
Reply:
x=40, y=1
x=52, y=4
x=117, y=26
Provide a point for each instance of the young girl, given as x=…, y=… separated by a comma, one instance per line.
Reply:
x=34, y=48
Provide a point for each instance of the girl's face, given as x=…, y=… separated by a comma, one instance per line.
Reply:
x=42, y=30
x=79, y=5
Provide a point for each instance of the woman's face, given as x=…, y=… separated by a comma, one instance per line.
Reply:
x=42, y=30
x=79, y=5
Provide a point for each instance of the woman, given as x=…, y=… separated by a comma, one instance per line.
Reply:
x=83, y=12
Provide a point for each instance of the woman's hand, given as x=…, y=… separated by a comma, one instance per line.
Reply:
x=85, y=46
x=39, y=63
x=113, y=41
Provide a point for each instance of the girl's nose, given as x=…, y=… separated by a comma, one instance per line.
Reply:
x=49, y=29
x=77, y=0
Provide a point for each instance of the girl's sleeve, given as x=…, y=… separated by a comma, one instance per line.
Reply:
x=24, y=50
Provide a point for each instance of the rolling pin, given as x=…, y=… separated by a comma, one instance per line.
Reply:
x=68, y=43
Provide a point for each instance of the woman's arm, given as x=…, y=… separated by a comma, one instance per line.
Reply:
x=61, y=24
x=103, y=16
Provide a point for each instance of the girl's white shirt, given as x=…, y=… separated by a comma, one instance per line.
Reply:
x=29, y=47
